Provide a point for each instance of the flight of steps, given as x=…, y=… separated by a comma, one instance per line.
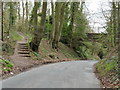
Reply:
x=23, y=49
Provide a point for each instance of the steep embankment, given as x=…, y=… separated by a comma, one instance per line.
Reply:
x=64, y=52
x=107, y=70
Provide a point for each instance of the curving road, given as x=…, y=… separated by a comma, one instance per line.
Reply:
x=74, y=74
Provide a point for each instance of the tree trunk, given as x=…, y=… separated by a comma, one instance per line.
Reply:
x=118, y=39
x=19, y=21
x=114, y=23
x=81, y=6
x=71, y=23
x=27, y=16
x=1, y=23
x=57, y=24
x=18, y=11
x=38, y=33
x=23, y=16
x=10, y=17
x=74, y=8
x=61, y=21
x=53, y=24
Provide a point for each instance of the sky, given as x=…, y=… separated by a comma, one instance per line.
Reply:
x=94, y=13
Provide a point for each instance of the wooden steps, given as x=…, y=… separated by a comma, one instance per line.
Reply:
x=23, y=49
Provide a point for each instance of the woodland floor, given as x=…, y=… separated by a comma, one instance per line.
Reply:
x=110, y=80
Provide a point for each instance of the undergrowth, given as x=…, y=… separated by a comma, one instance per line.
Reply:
x=6, y=65
x=108, y=70
x=9, y=46
x=105, y=66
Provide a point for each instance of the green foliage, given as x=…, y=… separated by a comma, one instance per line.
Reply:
x=65, y=32
x=81, y=52
x=68, y=52
x=29, y=36
x=6, y=65
x=48, y=29
x=95, y=47
x=14, y=35
x=90, y=50
x=78, y=33
x=106, y=66
x=85, y=53
x=32, y=13
x=8, y=46
x=81, y=23
x=12, y=9
x=10, y=32
x=36, y=56
x=35, y=53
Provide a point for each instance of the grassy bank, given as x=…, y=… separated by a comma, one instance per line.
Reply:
x=107, y=70
x=46, y=52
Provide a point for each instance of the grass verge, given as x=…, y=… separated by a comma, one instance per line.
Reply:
x=108, y=72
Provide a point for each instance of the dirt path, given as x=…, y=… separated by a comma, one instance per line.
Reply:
x=21, y=57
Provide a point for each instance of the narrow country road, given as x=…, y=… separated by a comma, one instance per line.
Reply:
x=74, y=74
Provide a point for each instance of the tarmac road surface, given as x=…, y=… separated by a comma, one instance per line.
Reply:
x=72, y=74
